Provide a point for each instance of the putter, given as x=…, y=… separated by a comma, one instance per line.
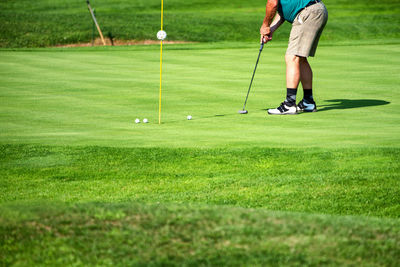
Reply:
x=244, y=111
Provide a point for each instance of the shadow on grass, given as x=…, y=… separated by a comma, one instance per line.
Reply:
x=335, y=104
x=204, y=117
x=351, y=103
x=348, y=104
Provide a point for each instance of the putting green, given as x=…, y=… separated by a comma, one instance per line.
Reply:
x=82, y=184
x=92, y=97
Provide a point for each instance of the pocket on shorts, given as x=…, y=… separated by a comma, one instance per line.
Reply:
x=304, y=15
x=296, y=21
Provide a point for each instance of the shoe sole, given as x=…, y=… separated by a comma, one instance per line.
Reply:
x=314, y=110
x=283, y=114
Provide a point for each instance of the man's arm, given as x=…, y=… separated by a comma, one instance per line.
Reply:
x=278, y=21
x=270, y=24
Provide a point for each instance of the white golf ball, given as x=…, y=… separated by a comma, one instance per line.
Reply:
x=161, y=35
x=137, y=121
x=189, y=117
x=145, y=120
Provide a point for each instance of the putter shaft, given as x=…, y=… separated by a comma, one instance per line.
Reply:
x=252, y=78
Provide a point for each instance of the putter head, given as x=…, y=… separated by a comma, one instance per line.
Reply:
x=242, y=112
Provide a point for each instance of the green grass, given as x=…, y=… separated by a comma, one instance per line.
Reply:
x=82, y=97
x=41, y=23
x=340, y=182
x=82, y=184
x=131, y=234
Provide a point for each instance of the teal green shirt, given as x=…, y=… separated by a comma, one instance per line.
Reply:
x=288, y=9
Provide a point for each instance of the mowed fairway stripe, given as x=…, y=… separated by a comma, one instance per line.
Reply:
x=86, y=96
x=330, y=181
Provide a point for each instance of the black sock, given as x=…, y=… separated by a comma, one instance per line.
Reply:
x=308, y=95
x=291, y=96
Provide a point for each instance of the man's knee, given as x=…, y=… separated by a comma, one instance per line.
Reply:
x=293, y=59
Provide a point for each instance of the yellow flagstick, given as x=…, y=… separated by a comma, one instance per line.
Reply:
x=161, y=46
x=159, y=105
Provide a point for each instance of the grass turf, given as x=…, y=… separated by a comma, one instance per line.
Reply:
x=41, y=23
x=92, y=97
x=131, y=234
x=81, y=184
x=211, y=190
x=340, y=182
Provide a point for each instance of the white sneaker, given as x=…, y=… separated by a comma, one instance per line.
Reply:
x=283, y=109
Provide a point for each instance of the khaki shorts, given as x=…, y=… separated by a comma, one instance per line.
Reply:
x=306, y=30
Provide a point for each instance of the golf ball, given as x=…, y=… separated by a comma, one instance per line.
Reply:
x=145, y=120
x=137, y=121
x=189, y=117
x=161, y=35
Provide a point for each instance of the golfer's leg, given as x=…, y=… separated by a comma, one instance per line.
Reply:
x=306, y=74
x=292, y=71
x=292, y=81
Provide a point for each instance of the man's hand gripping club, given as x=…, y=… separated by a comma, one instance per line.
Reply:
x=270, y=25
